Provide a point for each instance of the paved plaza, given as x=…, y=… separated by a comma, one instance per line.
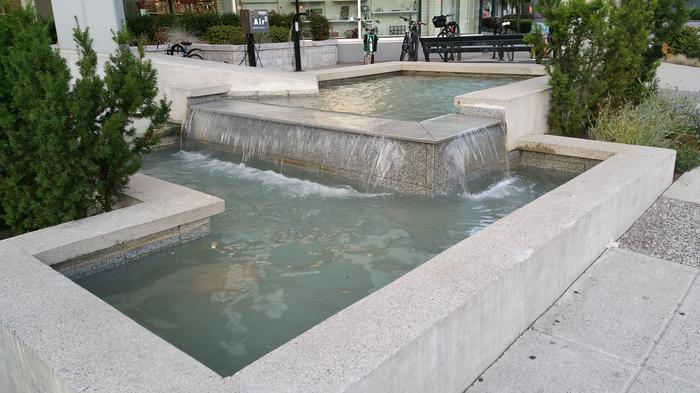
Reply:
x=630, y=323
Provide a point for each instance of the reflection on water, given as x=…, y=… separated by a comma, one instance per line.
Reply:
x=291, y=250
x=407, y=96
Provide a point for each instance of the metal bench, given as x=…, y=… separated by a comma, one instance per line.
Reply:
x=502, y=44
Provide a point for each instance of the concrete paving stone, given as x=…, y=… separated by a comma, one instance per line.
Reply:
x=541, y=363
x=669, y=229
x=678, y=77
x=620, y=305
x=653, y=382
x=678, y=351
x=686, y=188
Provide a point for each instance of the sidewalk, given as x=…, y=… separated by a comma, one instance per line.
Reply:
x=630, y=323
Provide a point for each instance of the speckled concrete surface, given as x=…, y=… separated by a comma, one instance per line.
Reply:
x=132, y=251
x=670, y=230
x=628, y=324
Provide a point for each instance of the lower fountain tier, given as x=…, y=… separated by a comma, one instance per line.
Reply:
x=426, y=158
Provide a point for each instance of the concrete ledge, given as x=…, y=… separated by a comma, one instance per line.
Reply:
x=556, y=161
x=180, y=95
x=164, y=206
x=397, y=66
x=122, y=253
x=686, y=188
x=180, y=78
x=523, y=105
x=271, y=56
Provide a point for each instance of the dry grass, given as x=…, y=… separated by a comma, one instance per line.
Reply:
x=659, y=120
x=178, y=34
x=683, y=60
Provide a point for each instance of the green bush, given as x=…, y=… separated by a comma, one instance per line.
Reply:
x=694, y=14
x=277, y=34
x=320, y=27
x=600, y=58
x=687, y=158
x=154, y=28
x=52, y=31
x=41, y=162
x=142, y=26
x=686, y=42
x=525, y=21
x=164, y=21
x=525, y=26
x=659, y=121
x=282, y=20
x=198, y=24
x=229, y=19
x=669, y=18
x=221, y=35
x=63, y=145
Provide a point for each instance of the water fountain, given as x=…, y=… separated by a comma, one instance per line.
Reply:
x=427, y=157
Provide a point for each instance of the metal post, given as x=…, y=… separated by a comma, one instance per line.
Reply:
x=250, y=41
x=296, y=32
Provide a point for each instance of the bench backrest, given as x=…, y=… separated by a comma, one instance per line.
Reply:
x=474, y=39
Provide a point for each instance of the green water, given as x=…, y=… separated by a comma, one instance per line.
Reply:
x=402, y=96
x=290, y=251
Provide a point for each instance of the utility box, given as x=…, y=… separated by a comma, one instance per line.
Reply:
x=255, y=21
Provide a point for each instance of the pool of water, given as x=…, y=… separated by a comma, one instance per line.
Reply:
x=402, y=96
x=291, y=250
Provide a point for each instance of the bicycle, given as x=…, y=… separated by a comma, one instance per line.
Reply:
x=183, y=48
x=448, y=29
x=410, y=41
x=502, y=27
x=369, y=40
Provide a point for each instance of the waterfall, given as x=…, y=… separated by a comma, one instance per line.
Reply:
x=472, y=150
x=413, y=166
x=371, y=159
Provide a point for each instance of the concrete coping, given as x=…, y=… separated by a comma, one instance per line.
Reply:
x=242, y=47
x=161, y=206
x=434, y=329
x=433, y=131
x=418, y=66
x=499, y=94
x=686, y=188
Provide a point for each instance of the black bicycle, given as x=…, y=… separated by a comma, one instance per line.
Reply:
x=183, y=49
x=448, y=29
x=502, y=27
x=409, y=48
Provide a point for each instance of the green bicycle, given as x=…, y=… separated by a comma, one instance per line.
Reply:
x=369, y=40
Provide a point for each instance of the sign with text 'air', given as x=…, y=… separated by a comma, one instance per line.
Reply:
x=259, y=21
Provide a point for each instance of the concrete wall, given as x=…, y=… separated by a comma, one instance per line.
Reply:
x=351, y=50
x=523, y=105
x=101, y=16
x=180, y=78
x=22, y=371
x=273, y=56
